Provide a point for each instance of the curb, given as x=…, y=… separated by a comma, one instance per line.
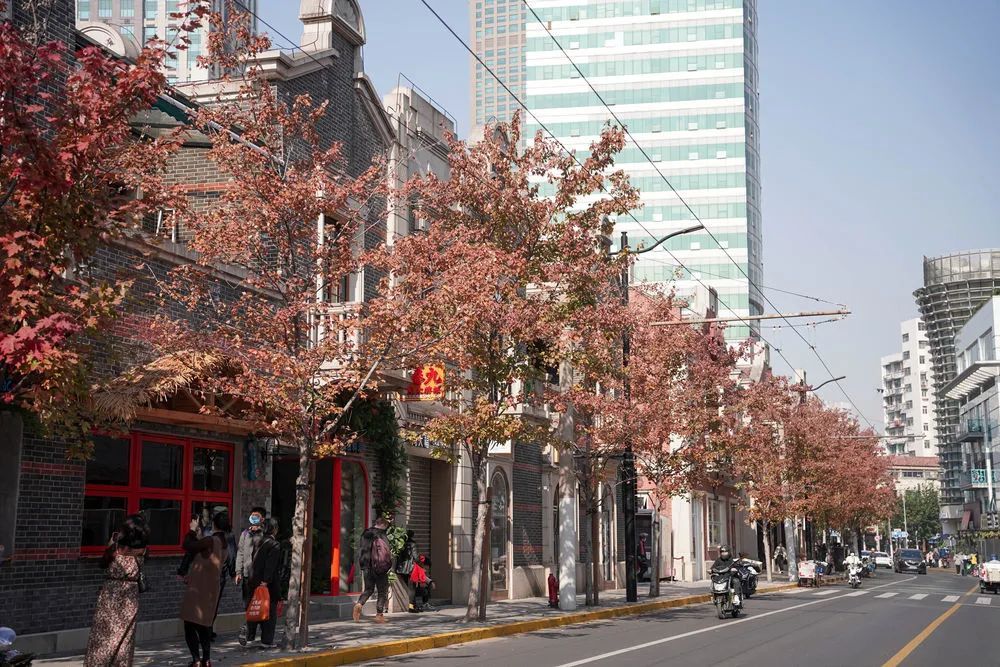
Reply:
x=347, y=656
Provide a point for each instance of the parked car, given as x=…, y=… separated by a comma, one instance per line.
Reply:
x=910, y=560
x=882, y=560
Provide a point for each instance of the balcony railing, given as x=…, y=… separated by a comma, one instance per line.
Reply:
x=976, y=478
x=970, y=429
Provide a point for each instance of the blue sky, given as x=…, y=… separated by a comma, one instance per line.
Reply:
x=879, y=145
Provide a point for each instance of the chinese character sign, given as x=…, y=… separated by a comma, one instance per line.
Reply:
x=427, y=384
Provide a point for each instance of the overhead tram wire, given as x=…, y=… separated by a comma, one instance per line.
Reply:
x=683, y=201
x=767, y=287
x=577, y=160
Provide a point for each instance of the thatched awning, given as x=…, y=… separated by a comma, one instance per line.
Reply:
x=156, y=382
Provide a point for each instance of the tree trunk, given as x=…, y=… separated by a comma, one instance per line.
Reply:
x=791, y=549
x=654, y=556
x=595, y=541
x=298, y=585
x=768, y=562
x=588, y=571
x=479, y=546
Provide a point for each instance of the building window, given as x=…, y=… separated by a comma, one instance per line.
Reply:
x=906, y=338
x=716, y=523
x=165, y=478
x=104, y=9
x=83, y=9
x=150, y=9
x=906, y=355
x=913, y=474
x=126, y=9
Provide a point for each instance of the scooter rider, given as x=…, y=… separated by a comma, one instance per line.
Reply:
x=852, y=559
x=725, y=561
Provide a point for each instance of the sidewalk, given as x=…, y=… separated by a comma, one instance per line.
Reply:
x=330, y=635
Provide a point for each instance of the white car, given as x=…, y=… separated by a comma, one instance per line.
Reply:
x=882, y=560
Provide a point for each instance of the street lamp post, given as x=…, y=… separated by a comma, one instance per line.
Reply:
x=629, y=481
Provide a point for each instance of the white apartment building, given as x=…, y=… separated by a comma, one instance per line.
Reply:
x=682, y=76
x=907, y=398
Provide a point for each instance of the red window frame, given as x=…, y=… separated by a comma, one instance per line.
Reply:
x=187, y=495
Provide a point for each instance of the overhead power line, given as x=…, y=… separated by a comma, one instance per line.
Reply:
x=683, y=201
x=542, y=125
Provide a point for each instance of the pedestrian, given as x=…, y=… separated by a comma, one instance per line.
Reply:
x=973, y=562
x=830, y=564
x=422, y=584
x=405, y=563
x=265, y=570
x=201, y=597
x=250, y=539
x=959, y=559
x=112, y=631
x=780, y=558
x=228, y=567
x=375, y=559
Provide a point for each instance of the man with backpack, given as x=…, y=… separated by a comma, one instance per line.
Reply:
x=375, y=559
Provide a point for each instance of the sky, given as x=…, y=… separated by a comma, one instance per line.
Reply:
x=879, y=146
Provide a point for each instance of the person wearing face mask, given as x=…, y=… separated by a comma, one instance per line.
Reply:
x=250, y=540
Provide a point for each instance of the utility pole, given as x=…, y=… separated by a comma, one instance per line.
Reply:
x=629, y=482
x=906, y=530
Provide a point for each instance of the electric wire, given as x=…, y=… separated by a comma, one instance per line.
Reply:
x=513, y=95
x=694, y=215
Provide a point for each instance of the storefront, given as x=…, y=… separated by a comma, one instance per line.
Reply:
x=167, y=479
x=340, y=515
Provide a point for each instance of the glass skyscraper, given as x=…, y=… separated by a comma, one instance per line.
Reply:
x=682, y=75
x=497, y=31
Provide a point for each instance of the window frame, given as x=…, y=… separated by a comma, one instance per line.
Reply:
x=134, y=492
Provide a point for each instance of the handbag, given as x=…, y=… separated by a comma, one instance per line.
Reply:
x=259, y=609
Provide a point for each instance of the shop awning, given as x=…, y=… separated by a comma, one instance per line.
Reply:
x=145, y=386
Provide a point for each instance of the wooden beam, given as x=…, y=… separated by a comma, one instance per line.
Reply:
x=208, y=422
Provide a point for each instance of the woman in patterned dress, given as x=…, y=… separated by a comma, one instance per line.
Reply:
x=112, y=633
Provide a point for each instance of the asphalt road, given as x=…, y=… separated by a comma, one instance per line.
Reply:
x=909, y=620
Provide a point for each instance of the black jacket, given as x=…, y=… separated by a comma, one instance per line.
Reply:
x=266, y=565
x=723, y=565
x=365, y=547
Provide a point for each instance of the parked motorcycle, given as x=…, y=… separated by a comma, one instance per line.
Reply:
x=727, y=593
x=10, y=656
x=748, y=576
x=854, y=575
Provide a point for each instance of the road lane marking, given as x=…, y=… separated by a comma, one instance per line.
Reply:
x=918, y=596
x=984, y=600
x=855, y=594
x=829, y=591
x=911, y=646
x=887, y=595
x=950, y=598
x=721, y=626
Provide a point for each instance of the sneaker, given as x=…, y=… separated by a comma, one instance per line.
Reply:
x=379, y=618
x=412, y=609
x=356, y=613
x=243, y=635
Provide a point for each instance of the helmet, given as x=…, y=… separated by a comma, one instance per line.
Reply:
x=723, y=551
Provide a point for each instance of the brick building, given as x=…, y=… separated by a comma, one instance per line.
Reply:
x=56, y=515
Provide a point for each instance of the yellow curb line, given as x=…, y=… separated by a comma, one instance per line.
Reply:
x=352, y=654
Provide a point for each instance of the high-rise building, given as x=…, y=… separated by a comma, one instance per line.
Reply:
x=497, y=31
x=974, y=389
x=907, y=400
x=124, y=25
x=682, y=76
x=954, y=287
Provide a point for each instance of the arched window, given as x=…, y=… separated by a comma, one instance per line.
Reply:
x=607, y=532
x=499, y=534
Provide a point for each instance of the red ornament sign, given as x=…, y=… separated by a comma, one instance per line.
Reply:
x=427, y=384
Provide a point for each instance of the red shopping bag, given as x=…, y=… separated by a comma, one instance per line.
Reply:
x=259, y=609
